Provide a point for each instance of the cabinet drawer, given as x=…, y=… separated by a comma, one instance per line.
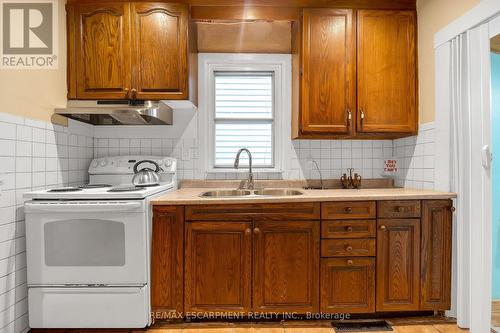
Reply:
x=249, y=212
x=348, y=229
x=399, y=208
x=348, y=210
x=348, y=247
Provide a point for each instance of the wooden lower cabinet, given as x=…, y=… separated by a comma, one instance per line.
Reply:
x=347, y=285
x=398, y=265
x=218, y=266
x=257, y=258
x=167, y=260
x=286, y=266
x=435, y=271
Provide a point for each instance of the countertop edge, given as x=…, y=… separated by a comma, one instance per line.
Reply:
x=307, y=197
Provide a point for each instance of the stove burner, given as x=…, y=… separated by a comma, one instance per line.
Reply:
x=89, y=186
x=126, y=189
x=65, y=189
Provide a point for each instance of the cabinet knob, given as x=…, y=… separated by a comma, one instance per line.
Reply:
x=348, y=229
x=248, y=231
x=133, y=93
x=348, y=209
x=383, y=228
x=350, y=262
x=348, y=248
x=349, y=117
x=453, y=209
x=400, y=209
x=256, y=231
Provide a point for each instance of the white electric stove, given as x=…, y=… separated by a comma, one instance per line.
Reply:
x=88, y=248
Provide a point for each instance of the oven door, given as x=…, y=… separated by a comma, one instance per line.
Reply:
x=86, y=243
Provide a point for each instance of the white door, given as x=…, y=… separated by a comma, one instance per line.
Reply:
x=91, y=243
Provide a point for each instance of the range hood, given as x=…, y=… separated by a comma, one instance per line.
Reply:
x=118, y=112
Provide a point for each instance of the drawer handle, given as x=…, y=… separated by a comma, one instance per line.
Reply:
x=348, y=209
x=350, y=262
x=383, y=228
x=348, y=229
x=348, y=248
x=400, y=209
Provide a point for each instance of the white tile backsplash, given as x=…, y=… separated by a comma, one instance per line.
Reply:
x=416, y=159
x=33, y=155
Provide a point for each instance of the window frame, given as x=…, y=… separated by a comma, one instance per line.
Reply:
x=280, y=67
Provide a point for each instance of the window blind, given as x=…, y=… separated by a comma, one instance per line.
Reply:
x=244, y=118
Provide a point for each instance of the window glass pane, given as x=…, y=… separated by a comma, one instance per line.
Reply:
x=244, y=95
x=256, y=137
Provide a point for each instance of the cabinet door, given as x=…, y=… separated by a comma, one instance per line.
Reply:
x=218, y=266
x=102, y=50
x=328, y=76
x=436, y=255
x=398, y=265
x=348, y=285
x=286, y=266
x=159, y=51
x=167, y=260
x=387, y=72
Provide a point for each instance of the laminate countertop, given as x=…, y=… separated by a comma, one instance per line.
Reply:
x=191, y=196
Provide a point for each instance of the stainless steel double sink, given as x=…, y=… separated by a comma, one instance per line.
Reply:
x=247, y=193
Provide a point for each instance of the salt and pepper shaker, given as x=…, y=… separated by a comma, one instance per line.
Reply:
x=351, y=181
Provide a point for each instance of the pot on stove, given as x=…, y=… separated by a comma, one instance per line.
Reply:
x=146, y=176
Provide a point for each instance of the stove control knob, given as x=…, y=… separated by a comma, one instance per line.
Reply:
x=168, y=163
x=160, y=162
x=103, y=163
x=95, y=164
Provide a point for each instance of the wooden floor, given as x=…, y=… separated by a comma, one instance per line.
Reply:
x=400, y=325
x=495, y=315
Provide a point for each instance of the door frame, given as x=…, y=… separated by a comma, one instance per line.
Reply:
x=473, y=277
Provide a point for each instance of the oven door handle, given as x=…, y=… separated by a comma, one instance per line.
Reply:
x=81, y=207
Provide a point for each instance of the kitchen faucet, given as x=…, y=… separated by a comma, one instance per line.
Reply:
x=249, y=181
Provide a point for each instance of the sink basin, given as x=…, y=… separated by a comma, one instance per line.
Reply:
x=225, y=193
x=278, y=192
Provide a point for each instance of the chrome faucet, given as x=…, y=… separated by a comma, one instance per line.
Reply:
x=249, y=181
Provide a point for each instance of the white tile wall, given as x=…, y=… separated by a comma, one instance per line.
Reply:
x=333, y=157
x=33, y=155
x=416, y=158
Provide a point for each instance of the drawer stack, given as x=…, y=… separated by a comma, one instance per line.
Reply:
x=348, y=250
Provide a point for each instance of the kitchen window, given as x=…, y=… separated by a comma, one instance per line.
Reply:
x=244, y=118
x=244, y=103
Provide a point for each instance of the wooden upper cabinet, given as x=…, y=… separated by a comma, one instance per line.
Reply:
x=398, y=265
x=127, y=50
x=387, y=72
x=436, y=255
x=218, y=266
x=167, y=270
x=286, y=266
x=328, y=72
x=99, y=50
x=159, y=50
